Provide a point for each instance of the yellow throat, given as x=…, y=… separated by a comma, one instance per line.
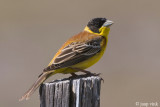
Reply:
x=104, y=31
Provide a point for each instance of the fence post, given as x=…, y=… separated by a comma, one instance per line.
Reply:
x=75, y=92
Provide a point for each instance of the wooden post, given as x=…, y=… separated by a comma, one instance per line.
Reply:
x=76, y=92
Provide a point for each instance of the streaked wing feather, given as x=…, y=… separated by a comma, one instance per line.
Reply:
x=75, y=53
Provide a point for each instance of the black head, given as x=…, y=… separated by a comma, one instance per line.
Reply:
x=96, y=23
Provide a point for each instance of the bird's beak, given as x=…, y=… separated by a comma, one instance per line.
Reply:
x=108, y=23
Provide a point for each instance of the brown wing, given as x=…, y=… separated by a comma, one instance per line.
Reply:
x=76, y=52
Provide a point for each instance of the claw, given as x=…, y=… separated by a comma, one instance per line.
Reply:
x=73, y=75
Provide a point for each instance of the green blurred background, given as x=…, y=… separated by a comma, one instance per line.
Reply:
x=31, y=31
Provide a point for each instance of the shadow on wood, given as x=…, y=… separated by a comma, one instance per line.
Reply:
x=71, y=92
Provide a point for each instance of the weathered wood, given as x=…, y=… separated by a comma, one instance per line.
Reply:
x=77, y=92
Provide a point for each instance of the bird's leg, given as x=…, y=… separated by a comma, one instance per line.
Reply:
x=89, y=73
x=85, y=71
x=73, y=75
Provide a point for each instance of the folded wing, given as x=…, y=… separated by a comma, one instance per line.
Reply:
x=75, y=53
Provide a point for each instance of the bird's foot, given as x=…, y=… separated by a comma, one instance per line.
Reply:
x=73, y=75
x=95, y=74
x=92, y=74
x=87, y=73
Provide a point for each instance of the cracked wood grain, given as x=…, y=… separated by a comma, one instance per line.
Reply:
x=71, y=92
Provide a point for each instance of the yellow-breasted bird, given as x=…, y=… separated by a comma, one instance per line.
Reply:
x=78, y=53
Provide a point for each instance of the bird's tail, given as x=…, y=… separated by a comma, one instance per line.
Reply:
x=40, y=80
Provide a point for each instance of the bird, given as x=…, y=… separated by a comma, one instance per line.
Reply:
x=78, y=53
